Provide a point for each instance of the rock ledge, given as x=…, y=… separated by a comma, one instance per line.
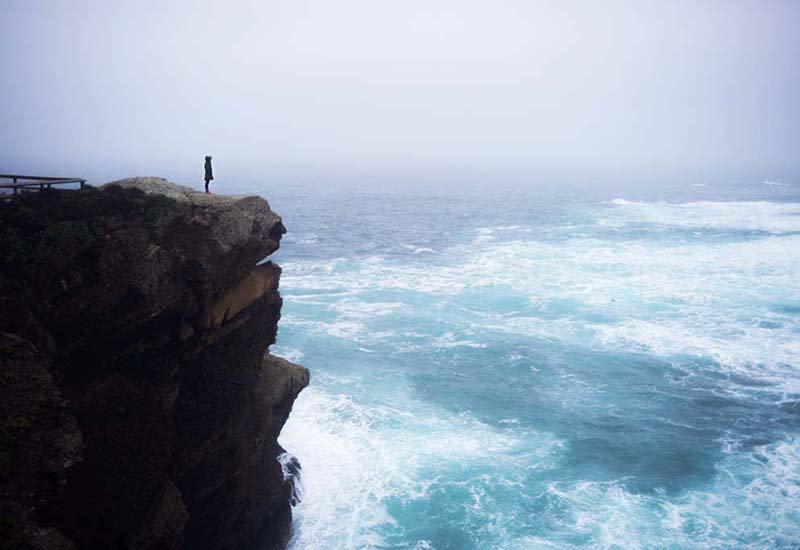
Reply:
x=138, y=405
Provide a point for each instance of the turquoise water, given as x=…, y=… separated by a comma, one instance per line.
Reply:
x=554, y=368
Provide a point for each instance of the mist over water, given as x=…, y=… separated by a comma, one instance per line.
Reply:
x=521, y=82
x=507, y=368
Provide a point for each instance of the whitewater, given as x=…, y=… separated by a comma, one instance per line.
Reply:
x=515, y=368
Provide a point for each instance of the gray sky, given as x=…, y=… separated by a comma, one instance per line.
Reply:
x=352, y=82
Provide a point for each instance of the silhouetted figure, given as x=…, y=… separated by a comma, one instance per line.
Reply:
x=209, y=172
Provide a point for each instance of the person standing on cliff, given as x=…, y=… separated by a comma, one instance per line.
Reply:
x=209, y=172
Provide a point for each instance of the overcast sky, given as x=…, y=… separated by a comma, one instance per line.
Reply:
x=402, y=82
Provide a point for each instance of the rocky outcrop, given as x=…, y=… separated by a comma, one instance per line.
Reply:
x=139, y=408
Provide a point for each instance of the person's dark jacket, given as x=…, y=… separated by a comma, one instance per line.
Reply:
x=209, y=172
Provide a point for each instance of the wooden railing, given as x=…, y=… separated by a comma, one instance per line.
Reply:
x=31, y=183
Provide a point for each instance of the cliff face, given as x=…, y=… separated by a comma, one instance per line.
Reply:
x=139, y=409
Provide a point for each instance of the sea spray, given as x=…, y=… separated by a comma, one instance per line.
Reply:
x=291, y=469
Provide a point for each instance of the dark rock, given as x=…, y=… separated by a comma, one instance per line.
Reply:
x=139, y=409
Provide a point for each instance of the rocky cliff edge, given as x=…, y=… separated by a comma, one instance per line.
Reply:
x=139, y=408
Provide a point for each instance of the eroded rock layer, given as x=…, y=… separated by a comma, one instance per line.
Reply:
x=139, y=409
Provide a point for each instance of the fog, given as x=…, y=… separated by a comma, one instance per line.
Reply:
x=141, y=86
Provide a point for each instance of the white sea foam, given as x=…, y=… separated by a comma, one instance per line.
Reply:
x=774, y=217
x=418, y=249
x=288, y=353
x=734, y=301
x=753, y=501
x=762, y=486
x=355, y=309
x=714, y=299
x=357, y=456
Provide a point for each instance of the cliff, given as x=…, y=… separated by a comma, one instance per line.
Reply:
x=138, y=408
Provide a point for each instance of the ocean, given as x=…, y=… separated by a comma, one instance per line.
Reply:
x=544, y=366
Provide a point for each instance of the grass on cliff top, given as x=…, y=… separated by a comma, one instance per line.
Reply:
x=50, y=227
